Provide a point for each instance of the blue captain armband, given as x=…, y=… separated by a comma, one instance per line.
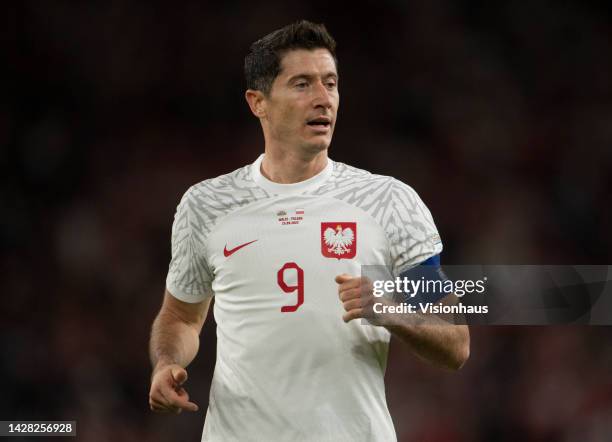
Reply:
x=425, y=282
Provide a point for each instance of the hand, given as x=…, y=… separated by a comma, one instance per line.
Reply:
x=167, y=394
x=356, y=296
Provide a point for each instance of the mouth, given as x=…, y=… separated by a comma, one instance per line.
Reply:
x=321, y=123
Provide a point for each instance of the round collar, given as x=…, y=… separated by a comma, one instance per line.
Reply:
x=293, y=188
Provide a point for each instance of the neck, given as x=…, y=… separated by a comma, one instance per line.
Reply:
x=288, y=167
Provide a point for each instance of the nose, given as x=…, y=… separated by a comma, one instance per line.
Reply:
x=322, y=96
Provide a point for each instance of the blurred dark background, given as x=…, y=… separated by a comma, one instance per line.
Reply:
x=498, y=113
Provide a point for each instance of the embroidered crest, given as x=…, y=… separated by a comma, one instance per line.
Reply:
x=339, y=240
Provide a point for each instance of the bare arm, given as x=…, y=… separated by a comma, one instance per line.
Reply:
x=175, y=339
x=429, y=337
x=175, y=335
x=433, y=339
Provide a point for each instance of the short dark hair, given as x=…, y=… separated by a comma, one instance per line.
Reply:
x=263, y=62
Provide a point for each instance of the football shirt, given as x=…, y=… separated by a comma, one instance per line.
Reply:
x=288, y=368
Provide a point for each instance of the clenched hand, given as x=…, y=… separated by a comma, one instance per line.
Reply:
x=167, y=394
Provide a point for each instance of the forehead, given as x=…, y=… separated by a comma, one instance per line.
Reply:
x=306, y=61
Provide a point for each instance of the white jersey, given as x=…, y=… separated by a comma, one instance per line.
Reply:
x=288, y=368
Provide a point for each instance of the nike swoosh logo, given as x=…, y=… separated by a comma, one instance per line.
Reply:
x=230, y=252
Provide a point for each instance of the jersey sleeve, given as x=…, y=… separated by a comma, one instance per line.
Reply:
x=410, y=229
x=189, y=277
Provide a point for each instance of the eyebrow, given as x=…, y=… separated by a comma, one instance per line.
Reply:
x=310, y=76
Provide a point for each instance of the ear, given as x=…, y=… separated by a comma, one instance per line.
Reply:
x=257, y=102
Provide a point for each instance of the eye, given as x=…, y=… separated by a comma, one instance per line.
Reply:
x=301, y=85
x=331, y=84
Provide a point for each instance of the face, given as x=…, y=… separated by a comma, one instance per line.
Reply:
x=301, y=108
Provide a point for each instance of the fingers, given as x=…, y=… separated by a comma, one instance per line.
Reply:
x=163, y=407
x=156, y=405
x=348, y=280
x=355, y=293
x=167, y=395
x=353, y=286
x=181, y=400
x=179, y=374
x=352, y=304
x=170, y=401
x=159, y=404
x=357, y=308
x=353, y=314
x=347, y=295
x=348, y=286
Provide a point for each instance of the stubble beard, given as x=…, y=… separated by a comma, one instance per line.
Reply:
x=314, y=148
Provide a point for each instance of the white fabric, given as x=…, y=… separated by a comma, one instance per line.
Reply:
x=302, y=375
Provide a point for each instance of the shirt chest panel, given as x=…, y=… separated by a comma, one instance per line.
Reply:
x=258, y=252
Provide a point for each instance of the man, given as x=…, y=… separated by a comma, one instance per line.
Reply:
x=280, y=244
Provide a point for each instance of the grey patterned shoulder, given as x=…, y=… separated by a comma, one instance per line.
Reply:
x=234, y=180
x=352, y=179
x=211, y=199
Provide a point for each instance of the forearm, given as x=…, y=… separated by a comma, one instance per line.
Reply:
x=433, y=339
x=172, y=341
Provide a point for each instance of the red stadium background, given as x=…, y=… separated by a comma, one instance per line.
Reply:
x=498, y=113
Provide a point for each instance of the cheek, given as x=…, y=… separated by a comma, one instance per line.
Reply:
x=288, y=117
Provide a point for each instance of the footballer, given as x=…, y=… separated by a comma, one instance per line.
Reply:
x=279, y=244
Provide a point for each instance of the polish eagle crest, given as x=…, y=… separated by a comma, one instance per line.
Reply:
x=338, y=240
